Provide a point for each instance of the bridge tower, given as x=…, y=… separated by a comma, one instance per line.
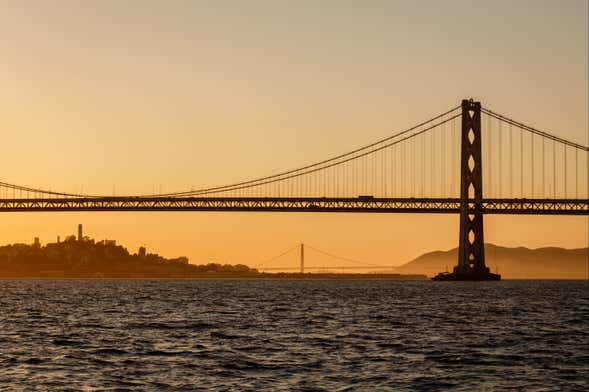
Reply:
x=302, y=258
x=471, y=244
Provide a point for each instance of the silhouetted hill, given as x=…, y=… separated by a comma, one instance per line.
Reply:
x=512, y=263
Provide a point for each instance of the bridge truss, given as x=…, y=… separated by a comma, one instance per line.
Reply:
x=299, y=204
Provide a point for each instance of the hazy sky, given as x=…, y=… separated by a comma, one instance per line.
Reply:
x=138, y=95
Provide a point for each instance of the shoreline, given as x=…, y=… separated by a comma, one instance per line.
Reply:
x=292, y=277
x=241, y=279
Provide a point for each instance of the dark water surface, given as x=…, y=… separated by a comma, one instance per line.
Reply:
x=293, y=335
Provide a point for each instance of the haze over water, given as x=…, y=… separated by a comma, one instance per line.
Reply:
x=302, y=335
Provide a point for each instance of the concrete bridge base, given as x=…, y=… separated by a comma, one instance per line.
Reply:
x=470, y=276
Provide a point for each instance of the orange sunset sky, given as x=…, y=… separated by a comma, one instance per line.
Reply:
x=141, y=96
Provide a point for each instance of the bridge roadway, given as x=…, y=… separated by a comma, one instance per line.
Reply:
x=297, y=204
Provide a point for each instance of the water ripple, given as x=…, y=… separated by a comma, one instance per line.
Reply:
x=293, y=335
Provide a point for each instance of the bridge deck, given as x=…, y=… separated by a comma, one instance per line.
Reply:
x=304, y=204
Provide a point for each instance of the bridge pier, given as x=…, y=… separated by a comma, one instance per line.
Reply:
x=471, y=244
x=302, y=258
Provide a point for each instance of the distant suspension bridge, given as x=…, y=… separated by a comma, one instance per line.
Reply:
x=300, y=250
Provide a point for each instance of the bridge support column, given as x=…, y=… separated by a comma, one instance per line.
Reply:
x=302, y=258
x=471, y=244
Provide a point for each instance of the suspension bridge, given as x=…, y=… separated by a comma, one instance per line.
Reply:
x=346, y=264
x=440, y=165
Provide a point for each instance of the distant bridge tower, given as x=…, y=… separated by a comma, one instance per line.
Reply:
x=471, y=244
x=302, y=258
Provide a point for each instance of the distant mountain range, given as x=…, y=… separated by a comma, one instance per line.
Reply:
x=511, y=263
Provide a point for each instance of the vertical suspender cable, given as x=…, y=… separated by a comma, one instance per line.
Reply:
x=344, y=181
x=406, y=168
x=413, y=165
x=432, y=161
x=383, y=158
x=346, y=178
x=335, y=181
x=576, y=173
x=333, y=174
x=354, y=177
x=310, y=184
x=521, y=162
x=374, y=174
x=403, y=168
x=554, y=168
x=358, y=175
x=453, y=158
x=399, y=174
x=500, y=161
x=394, y=171
x=422, y=138
x=334, y=184
x=325, y=182
x=362, y=179
x=510, y=161
x=335, y=178
x=383, y=172
x=442, y=161
x=365, y=175
x=318, y=183
x=542, y=194
x=338, y=180
x=490, y=160
x=532, y=151
x=371, y=172
x=565, y=170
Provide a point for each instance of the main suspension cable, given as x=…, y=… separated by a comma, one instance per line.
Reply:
x=533, y=130
x=314, y=165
